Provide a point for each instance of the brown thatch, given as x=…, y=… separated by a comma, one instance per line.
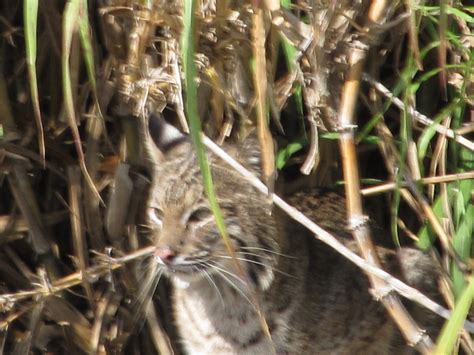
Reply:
x=71, y=263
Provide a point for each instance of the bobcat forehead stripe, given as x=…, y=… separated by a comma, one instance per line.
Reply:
x=165, y=136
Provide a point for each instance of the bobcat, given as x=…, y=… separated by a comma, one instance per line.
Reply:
x=313, y=300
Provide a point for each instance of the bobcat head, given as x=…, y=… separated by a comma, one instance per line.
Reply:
x=182, y=226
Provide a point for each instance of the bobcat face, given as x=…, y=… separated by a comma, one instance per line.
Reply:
x=189, y=245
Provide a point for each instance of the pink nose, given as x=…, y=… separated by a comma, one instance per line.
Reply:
x=165, y=254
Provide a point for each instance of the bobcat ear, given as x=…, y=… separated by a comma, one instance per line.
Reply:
x=248, y=153
x=163, y=135
x=251, y=153
x=158, y=138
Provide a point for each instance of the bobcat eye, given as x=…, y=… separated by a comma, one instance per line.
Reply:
x=156, y=216
x=200, y=216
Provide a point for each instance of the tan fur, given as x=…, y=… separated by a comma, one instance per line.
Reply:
x=314, y=301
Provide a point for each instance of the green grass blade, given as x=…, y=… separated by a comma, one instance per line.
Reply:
x=428, y=134
x=449, y=334
x=286, y=153
x=463, y=219
x=426, y=235
x=405, y=138
x=71, y=13
x=86, y=43
x=69, y=25
x=193, y=116
x=30, y=18
x=462, y=243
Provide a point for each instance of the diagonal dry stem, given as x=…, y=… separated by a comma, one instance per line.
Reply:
x=419, y=116
x=357, y=219
x=394, y=283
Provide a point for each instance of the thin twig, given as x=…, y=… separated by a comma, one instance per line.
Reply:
x=417, y=115
x=425, y=181
x=395, y=284
x=310, y=160
x=47, y=288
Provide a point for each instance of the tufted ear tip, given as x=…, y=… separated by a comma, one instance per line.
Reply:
x=164, y=135
x=249, y=153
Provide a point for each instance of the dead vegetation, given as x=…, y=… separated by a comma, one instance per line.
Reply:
x=77, y=79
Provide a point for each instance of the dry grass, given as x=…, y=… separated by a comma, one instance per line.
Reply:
x=72, y=162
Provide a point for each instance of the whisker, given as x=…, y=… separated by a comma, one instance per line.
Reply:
x=257, y=263
x=152, y=269
x=221, y=272
x=144, y=297
x=256, y=255
x=216, y=266
x=213, y=265
x=213, y=283
x=270, y=251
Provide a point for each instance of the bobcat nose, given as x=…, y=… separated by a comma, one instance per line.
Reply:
x=165, y=254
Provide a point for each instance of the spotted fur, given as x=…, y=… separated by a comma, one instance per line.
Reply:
x=313, y=300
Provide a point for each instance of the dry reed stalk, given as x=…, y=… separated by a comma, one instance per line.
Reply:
x=356, y=218
x=11, y=224
x=118, y=205
x=431, y=180
x=25, y=197
x=95, y=128
x=77, y=226
x=260, y=85
x=49, y=288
